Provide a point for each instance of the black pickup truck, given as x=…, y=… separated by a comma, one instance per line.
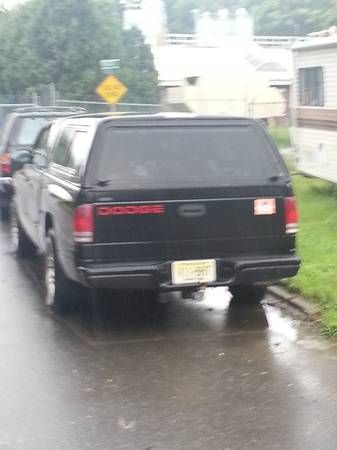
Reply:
x=155, y=203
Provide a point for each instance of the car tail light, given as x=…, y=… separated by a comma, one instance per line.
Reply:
x=5, y=164
x=290, y=215
x=83, y=224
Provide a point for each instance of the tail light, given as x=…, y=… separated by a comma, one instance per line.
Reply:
x=5, y=164
x=290, y=215
x=83, y=224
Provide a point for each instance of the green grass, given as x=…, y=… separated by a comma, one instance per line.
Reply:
x=281, y=136
x=317, y=246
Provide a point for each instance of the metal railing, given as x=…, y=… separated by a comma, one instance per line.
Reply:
x=7, y=108
x=285, y=42
x=101, y=107
x=181, y=39
x=237, y=107
x=90, y=106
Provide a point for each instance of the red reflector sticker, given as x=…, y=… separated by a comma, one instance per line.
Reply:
x=264, y=206
x=129, y=210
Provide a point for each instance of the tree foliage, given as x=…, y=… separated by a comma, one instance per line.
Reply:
x=62, y=42
x=272, y=17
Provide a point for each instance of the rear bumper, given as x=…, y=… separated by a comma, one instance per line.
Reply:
x=156, y=275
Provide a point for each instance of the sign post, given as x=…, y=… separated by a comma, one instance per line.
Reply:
x=111, y=89
x=108, y=66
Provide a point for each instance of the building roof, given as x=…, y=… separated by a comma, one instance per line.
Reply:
x=316, y=43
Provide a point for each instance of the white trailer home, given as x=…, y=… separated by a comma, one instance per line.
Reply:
x=314, y=106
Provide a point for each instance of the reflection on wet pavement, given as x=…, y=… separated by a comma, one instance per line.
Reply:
x=114, y=317
x=130, y=316
x=183, y=375
x=121, y=316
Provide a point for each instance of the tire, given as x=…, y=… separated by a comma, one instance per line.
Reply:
x=60, y=293
x=247, y=293
x=4, y=213
x=23, y=246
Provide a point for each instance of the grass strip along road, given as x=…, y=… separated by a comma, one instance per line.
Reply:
x=317, y=246
x=281, y=135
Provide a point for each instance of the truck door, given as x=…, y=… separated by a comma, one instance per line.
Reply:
x=34, y=179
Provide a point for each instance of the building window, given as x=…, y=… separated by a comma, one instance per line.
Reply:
x=311, y=86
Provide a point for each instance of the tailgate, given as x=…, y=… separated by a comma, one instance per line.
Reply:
x=195, y=228
x=185, y=220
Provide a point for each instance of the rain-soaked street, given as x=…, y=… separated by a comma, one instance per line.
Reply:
x=181, y=375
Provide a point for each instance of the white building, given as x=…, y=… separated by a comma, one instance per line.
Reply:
x=216, y=81
x=147, y=15
x=314, y=103
x=218, y=70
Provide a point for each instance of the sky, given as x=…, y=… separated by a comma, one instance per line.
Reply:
x=9, y=3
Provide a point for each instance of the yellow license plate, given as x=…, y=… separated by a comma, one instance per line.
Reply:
x=197, y=271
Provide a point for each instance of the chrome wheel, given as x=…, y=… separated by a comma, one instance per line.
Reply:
x=50, y=277
x=60, y=293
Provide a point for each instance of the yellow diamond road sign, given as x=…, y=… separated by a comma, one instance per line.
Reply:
x=111, y=89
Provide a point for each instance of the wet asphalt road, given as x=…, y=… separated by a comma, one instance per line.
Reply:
x=183, y=375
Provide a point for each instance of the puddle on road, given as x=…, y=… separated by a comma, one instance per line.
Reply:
x=313, y=343
x=280, y=324
x=267, y=314
x=119, y=317
x=124, y=319
x=288, y=324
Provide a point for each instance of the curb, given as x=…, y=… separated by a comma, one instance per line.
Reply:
x=294, y=300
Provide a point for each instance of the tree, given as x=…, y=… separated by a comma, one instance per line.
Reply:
x=273, y=17
x=289, y=18
x=136, y=69
x=62, y=42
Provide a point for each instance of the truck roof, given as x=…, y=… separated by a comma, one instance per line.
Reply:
x=48, y=110
x=96, y=119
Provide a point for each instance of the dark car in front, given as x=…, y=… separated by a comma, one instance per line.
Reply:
x=20, y=131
